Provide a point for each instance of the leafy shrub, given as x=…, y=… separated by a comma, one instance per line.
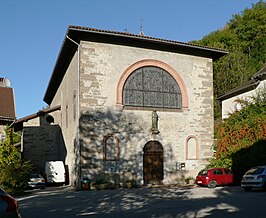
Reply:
x=189, y=179
x=243, y=128
x=14, y=171
x=242, y=136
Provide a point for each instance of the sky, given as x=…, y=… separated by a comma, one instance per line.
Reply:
x=32, y=32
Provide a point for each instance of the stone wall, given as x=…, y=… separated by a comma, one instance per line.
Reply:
x=68, y=118
x=100, y=69
x=41, y=144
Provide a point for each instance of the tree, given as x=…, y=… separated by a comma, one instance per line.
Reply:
x=244, y=36
x=14, y=171
x=249, y=27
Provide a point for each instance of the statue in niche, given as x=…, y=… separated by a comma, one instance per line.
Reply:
x=154, y=126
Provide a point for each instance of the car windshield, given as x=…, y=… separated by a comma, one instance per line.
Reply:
x=203, y=172
x=255, y=171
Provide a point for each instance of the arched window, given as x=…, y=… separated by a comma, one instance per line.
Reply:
x=152, y=86
x=111, y=149
x=192, y=148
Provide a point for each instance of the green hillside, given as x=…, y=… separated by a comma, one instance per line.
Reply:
x=244, y=36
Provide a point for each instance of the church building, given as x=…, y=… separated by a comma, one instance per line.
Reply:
x=133, y=107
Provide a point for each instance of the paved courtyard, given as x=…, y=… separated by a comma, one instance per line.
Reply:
x=144, y=202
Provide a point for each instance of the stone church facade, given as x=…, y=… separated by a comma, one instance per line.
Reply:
x=132, y=106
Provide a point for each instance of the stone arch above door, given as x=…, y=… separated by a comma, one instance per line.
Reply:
x=153, y=147
x=156, y=63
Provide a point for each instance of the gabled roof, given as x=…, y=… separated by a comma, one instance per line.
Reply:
x=7, y=105
x=33, y=116
x=248, y=86
x=78, y=33
x=18, y=124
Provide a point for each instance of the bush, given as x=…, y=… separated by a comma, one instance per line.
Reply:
x=14, y=171
x=242, y=136
x=190, y=180
x=243, y=128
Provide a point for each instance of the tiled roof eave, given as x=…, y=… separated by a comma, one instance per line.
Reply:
x=7, y=118
x=77, y=34
x=251, y=85
x=32, y=116
x=146, y=38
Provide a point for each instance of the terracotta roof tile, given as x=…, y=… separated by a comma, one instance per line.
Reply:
x=110, y=32
x=7, y=105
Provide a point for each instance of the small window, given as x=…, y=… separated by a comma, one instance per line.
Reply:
x=192, y=148
x=111, y=148
x=74, y=105
x=66, y=116
x=228, y=171
x=217, y=172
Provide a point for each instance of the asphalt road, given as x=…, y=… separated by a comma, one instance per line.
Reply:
x=144, y=202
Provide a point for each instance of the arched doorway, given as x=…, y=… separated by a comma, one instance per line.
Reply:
x=153, y=163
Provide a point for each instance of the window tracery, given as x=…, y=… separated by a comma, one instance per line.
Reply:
x=151, y=86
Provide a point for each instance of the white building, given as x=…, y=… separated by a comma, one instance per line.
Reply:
x=251, y=88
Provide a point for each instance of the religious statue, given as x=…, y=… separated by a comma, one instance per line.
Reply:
x=154, y=126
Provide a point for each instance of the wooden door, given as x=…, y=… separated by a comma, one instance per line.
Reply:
x=153, y=163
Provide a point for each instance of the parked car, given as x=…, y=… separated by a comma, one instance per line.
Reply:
x=254, y=178
x=8, y=205
x=36, y=181
x=214, y=176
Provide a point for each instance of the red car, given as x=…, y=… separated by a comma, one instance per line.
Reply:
x=214, y=176
x=8, y=205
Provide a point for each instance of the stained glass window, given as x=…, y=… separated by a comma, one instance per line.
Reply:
x=152, y=87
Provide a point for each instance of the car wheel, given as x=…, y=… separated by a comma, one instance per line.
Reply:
x=212, y=184
x=248, y=189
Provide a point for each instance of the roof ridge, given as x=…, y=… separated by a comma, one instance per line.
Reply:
x=73, y=27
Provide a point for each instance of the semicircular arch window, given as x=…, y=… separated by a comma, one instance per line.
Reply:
x=152, y=87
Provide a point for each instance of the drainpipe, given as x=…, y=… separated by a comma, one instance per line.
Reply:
x=78, y=111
